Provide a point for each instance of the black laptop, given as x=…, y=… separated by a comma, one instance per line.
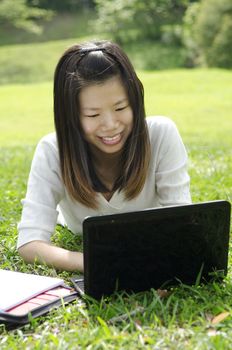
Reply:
x=154, y=248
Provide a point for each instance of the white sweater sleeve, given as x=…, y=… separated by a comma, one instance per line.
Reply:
x=44, y=192
x=172, y=179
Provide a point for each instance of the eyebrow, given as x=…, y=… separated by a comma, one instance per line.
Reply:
x=115, y=104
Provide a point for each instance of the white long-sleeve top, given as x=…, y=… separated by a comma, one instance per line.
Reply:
x=167, y=184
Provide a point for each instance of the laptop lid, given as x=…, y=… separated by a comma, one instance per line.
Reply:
x=136, y=251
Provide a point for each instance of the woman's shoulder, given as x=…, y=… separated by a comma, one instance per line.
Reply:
x=164, y=135
x=159, y=121
x=49, y=139
x=47, y=147
x=48, y=142
x=158, y=126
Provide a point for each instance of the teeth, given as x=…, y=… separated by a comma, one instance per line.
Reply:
x=111, y=138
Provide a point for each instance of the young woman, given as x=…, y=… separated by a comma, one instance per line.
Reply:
x=105, y=156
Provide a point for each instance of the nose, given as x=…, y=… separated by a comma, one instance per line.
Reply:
x=109, y=121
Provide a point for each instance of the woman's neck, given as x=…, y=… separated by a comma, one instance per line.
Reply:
x=105, y=160
x=107, y=167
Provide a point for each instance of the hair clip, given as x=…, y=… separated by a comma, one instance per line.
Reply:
x=84, y=51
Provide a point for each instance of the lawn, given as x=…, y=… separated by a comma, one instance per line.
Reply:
x=199, y=101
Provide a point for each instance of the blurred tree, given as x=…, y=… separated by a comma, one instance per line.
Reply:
x=18, y=14
x=193, y=56
x=63, y=6
x=208, y=33
x=127, y=20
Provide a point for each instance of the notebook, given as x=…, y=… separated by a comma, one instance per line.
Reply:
x=154, y=248
x=26, y=296
x=18, y=287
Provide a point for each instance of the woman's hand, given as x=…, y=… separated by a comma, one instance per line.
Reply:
x=51, y=255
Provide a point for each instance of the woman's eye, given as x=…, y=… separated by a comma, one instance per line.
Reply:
x=121, y=108
x=92, y=115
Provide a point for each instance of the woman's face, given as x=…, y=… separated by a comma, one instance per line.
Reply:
x=106, y=115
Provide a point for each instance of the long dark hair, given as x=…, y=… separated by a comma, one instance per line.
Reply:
x=80, y=66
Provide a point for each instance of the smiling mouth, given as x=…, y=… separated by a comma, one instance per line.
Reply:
x=111, y=140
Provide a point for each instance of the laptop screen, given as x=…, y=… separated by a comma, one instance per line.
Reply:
x=154, y=248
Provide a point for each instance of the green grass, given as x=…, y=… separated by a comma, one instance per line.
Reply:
x=199, y=101
x=26, y=112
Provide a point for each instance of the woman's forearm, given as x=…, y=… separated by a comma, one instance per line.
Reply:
x=51, y=255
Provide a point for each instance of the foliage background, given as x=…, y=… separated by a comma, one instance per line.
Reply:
x=201, y=28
